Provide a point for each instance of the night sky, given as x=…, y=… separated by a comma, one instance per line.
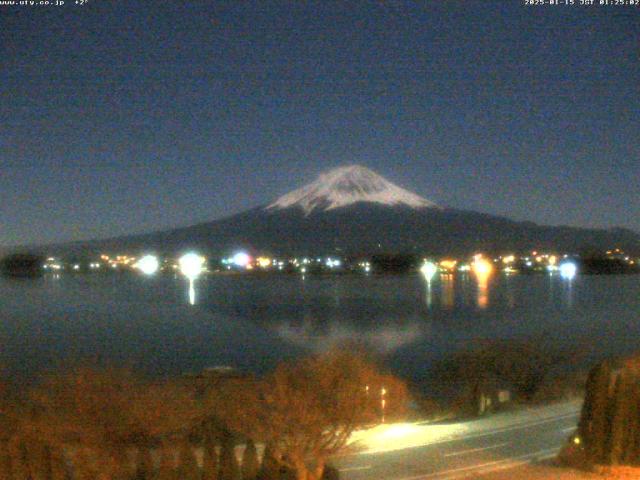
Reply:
x=128, y=116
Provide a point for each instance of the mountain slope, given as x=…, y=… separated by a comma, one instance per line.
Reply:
x=364, y=229
x=352, y=210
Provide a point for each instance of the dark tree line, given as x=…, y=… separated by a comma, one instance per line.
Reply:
x=23, y=265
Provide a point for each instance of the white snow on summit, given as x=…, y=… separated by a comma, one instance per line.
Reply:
x=347, y=185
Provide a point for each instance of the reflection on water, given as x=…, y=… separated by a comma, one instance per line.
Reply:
x=429, y=294
x=384, y=338
x=192, y=292
x=168, y=324
x=482, y=269
x=483, y=291
x=509, y=293
x=448, y=292
x=568, y=291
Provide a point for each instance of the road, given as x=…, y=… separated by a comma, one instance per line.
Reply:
x=460, y=450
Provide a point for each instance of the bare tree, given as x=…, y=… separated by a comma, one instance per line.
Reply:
x=308, y=409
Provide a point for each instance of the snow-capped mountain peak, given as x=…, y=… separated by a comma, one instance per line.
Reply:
x=344, y=186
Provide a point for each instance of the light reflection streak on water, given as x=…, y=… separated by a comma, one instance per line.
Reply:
x=483, y=290
x=482, y=269
x=192, y=292
x=429, y=294
x=509, y=292
x=568, y=287
x=448, y=291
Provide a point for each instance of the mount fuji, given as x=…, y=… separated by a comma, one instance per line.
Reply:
x=352, y=210
x=346, y=186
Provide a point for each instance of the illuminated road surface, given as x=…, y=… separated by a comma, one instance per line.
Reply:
x=460, y=450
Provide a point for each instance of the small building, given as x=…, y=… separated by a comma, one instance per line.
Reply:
x=489, y=395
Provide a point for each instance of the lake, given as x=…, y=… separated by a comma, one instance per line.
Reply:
x=251, y=321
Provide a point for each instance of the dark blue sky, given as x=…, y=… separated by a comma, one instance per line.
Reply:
x=121, y=117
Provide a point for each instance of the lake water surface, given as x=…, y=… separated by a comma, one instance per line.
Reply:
x=251, y=322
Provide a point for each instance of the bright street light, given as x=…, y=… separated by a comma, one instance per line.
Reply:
x=148, y=264
x=429, y=269
x=481, y=267
x=191, y=265
x=241, y=259
x=568, y=270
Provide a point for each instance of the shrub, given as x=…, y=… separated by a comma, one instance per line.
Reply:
x=522, y=365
